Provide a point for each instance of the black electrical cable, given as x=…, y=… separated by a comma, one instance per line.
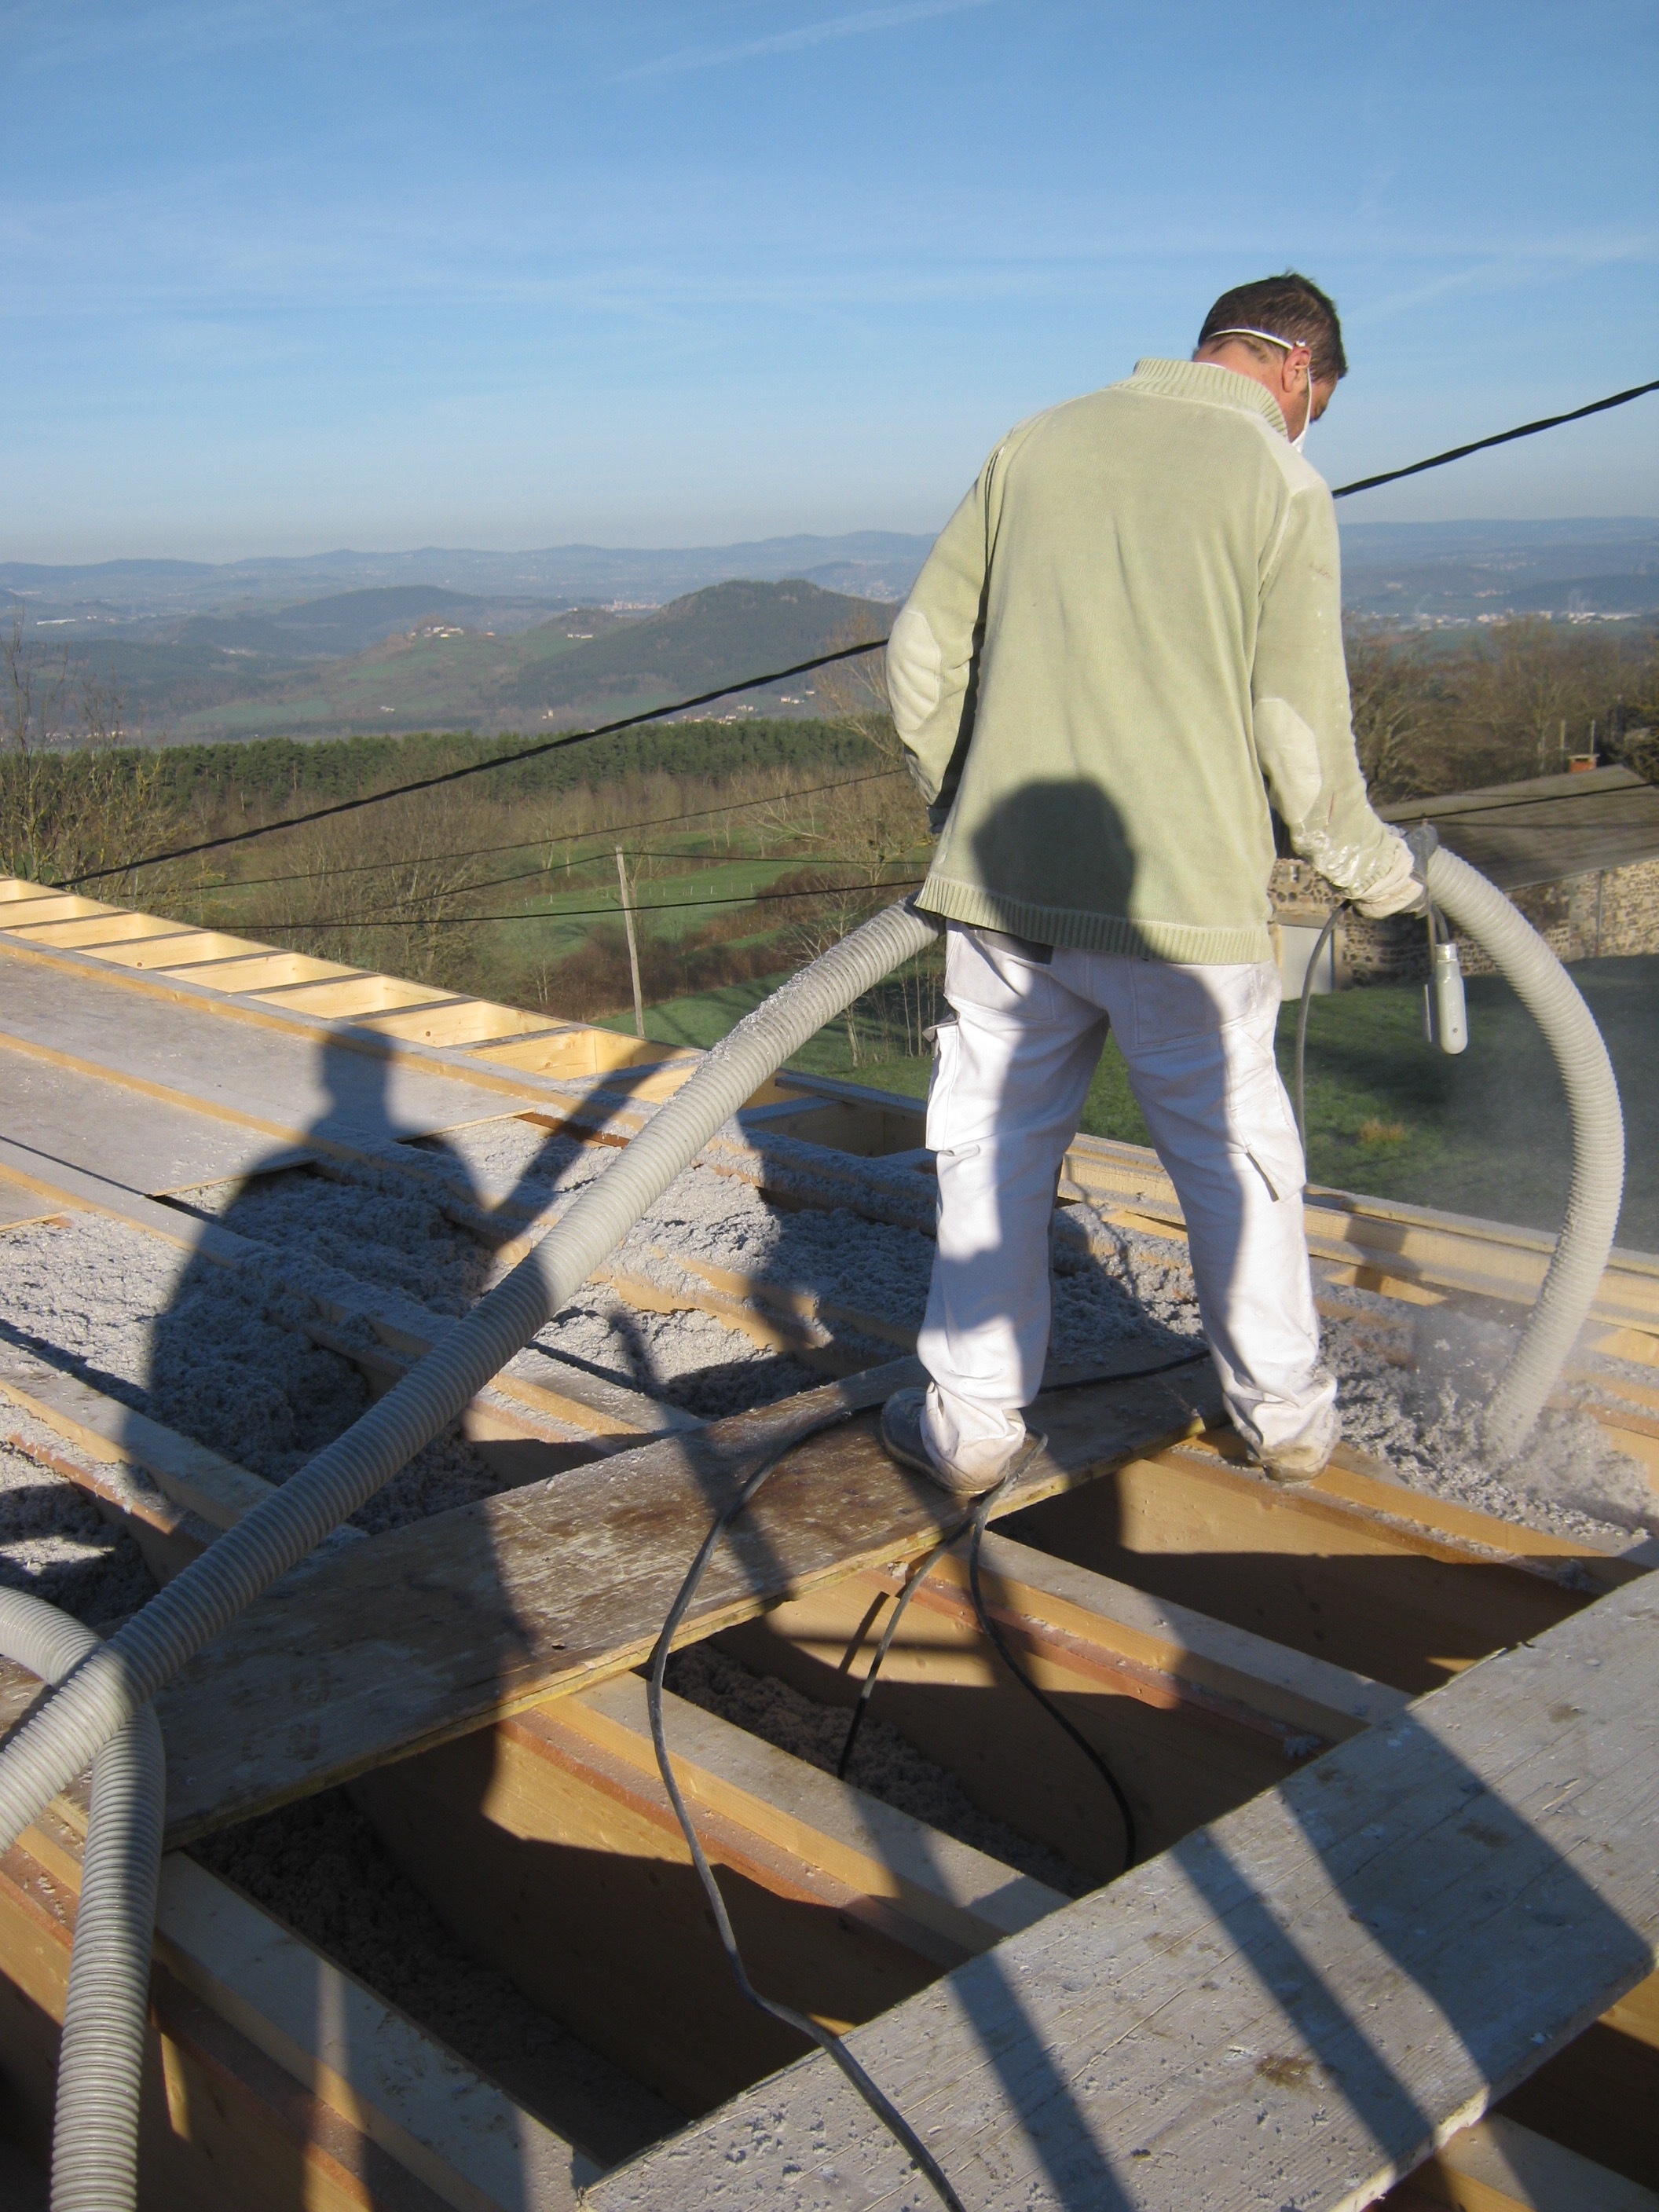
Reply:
x=754, y=682
x=987, y=1627
x=831, y=2045
x=600, y=860
x=573, y=837
x=1319, y=943
x=866, y=1688
x=474, y=768
x=570, y=913
x=1502, y=438
x=994, y=1634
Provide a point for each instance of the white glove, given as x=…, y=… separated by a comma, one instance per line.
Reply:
x=1396, y=890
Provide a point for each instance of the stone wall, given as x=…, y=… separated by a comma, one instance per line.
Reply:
x=1613, y=912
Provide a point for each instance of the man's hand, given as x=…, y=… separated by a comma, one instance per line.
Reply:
x=1396, y=890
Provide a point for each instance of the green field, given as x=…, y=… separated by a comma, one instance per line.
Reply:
x=1487, y=1133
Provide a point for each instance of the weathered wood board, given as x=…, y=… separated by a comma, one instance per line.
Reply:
x=429, y=1630
x=1292, y=2008
x=220, y=1098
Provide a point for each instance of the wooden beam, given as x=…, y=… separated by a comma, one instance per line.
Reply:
x=544, y=1384
x=168, y=1536
x=550, y=1846
x=1392, y=1583
x=1193, y=1717
x=431, y=1630
x=202, y=1481
x=491, y=1068
x=1597, y=2097
x=1497, y=2165
x=275, y=2078
x=1383, y=1244
x=1301, y=2001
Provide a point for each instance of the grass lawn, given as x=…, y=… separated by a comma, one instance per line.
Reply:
x=1487, y=1133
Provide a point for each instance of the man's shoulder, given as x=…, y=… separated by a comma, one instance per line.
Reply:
x=1139, y=407
x=1085, y=415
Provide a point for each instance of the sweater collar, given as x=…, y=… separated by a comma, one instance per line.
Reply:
x=1208, y=382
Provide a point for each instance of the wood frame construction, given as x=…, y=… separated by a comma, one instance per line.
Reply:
x=1392, y=1758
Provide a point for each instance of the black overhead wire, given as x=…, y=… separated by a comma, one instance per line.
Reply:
x=1501, y=438
x=755, y=682
x=580, y=912
x=596, y=859
x=570, y=838
x=475, y=767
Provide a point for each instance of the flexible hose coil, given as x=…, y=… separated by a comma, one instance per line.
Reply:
x=94, y=2144
x=114, y=1681
x=1551, y=997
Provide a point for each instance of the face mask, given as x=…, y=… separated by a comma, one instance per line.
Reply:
x=1301, y=437
x=1289, y=345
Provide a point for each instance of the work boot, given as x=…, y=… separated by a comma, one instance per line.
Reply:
x=903, y=1434
x=1293, y=1464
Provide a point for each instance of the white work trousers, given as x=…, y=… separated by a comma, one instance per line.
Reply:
x=1009, y=1078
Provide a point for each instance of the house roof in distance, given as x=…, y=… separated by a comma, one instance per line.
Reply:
x=1546, y=828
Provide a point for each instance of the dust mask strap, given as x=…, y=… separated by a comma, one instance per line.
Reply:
x=1301, y=437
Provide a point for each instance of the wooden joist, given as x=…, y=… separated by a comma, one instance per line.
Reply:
x=203, y=1482
x=249, y=986
x=1391, y=1583
x=549, y=1844
x=168, y=1536
x=1192, y=1716
x=274, y=2077
x=541, y=1384
x=430, y=1630
x=1315, y=1992
x=1497, y=2165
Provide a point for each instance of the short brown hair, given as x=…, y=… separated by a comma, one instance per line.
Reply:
x=1287, y=307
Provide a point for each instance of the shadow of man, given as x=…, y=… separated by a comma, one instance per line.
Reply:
x=244, y=1360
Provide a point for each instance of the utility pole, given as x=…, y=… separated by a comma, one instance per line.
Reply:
x=633, y=944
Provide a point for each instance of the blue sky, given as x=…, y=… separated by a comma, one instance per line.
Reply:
x=289, y=277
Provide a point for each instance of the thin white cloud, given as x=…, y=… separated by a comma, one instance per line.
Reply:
x=856, y=26
x=80, y=35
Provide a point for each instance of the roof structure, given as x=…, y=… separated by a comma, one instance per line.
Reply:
x=428, y=1935
x=1546, y=828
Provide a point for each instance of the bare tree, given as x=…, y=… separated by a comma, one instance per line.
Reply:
x=74, y=796
x=870, y=832
x=1387, y=690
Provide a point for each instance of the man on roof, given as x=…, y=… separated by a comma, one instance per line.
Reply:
x=1124, y=653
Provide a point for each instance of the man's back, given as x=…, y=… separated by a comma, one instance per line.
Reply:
x=1134, y=615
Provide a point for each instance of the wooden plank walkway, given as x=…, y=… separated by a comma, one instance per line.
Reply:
x=78, y=1055
x=430, y=1630
x=1286, y=2011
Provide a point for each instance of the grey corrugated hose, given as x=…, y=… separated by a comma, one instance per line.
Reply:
x=1550, y=996
x=100, y=2064
x=114, y=1681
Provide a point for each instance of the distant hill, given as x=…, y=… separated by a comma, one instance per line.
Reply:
x=698, y=641
x=879, y=564
x=1433, y=573
x=345, y=622
x=253, y=674
x=331, y=643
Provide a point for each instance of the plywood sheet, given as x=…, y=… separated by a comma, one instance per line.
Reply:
x=1290, y=2006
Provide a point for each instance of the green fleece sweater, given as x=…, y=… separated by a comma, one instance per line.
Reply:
x=1128, y=635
